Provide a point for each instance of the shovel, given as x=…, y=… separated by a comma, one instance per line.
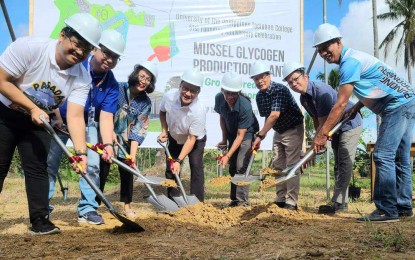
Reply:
x=140, y=178
x=64, y=189
x=159, y=201
x=246, y=179
x=183, y=200
x=291, y=171
x=128, y=223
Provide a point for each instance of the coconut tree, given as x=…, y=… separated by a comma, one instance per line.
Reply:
x=333, y=79
x=403, y=12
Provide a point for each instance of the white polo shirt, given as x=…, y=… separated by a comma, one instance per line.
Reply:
x=183, y=120
x=31, y=60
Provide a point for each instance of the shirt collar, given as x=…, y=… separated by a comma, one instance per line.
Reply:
x=310, y=88
x=344, y=50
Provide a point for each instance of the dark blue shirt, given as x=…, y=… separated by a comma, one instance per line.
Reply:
x=319, y=100
x=279, y=98
x=104, y=94
x=240, y=117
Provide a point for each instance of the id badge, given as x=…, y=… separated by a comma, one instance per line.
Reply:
x=91, y=116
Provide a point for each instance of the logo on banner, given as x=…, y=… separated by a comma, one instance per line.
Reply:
x=242, y=7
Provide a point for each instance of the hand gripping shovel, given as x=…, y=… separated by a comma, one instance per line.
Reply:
x=184, y=200
x=98, y=148
x=291, y=171
x=246, y=179
x=159, y=201
x=128, y=223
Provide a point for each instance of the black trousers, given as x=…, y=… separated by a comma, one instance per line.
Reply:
x=32, y=142
x=126, y=181
x=197, y=174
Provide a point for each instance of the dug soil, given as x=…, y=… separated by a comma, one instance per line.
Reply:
x=207, y=230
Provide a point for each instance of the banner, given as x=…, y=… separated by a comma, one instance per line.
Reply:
x=214, y=36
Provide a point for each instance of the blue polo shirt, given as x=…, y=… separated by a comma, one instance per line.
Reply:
x=240, y=117
x=277, y=97
x=104, y=94
x=319, y=100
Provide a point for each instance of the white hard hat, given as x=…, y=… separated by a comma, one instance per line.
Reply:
x=193, y=76
x=152, y=67
x=324, y=33
x=290, y=67
x=113, y=40
x=232, y=82
x=258, y=68
x=87, y=26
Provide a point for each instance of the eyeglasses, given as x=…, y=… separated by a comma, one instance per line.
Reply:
x=229, y=93
x=144, y=79
x=295, y=80
x=107, y=54
x=260, y=77
x=325, y=46
x=193, y=91
x=84, y=47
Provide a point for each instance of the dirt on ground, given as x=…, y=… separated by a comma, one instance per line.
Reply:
x=207, y=230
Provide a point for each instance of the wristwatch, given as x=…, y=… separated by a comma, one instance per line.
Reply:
x=178, y=160
x=260, y=136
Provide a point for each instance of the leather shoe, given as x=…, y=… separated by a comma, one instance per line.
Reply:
x=332, y=208
x=290, y=207
x=280, y=204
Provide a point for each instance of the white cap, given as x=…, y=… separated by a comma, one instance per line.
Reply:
x=290, y=67
x=324, y=33
x=152, y=67
x=232, y=82
x=87, y=26
x=193, y=76
x=258, y=68
x=113, y=40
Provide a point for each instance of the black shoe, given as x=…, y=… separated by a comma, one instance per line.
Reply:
x=378, y=216
x=234, y=203
x=290, y=207
x=332, y=208
x=405, y=213
x=43, y=226
x=280, y=204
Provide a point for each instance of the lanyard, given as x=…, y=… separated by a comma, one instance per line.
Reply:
x=99, y=83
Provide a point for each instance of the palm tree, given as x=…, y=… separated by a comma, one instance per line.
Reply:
x=333, y=80
x=402, y=11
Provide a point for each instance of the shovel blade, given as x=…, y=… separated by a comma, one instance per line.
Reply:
x=162, y=203
x=241, y=180
x=191, y=200
x=65, y=192
x=129, y=224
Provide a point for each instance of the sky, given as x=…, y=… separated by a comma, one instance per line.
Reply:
x=353, y=17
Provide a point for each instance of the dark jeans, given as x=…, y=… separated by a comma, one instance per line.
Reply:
x=32, y=142
x=126, y=178
x=197, y=175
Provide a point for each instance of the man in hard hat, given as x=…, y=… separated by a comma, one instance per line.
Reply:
x=380, y=89
x=318, y=98
x=183, y=124
x=239, y=125
x=99, y=111
x=37, y=75
x=276, y=103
